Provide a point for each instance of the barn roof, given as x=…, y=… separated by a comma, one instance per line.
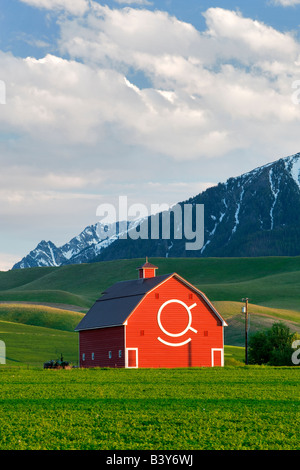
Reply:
x=117, y=303
x=147, y=265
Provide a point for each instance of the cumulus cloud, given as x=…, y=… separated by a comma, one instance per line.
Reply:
x=75, y=7
x=206, y=87
x=208, y=92
x=134, y=2
x=248, y=39
x=286, y=3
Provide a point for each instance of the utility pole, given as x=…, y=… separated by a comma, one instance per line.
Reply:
x=245, y=310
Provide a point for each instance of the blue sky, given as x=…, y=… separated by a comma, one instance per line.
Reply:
x=155, y=100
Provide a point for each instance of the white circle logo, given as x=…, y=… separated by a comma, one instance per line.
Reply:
x=183, y=332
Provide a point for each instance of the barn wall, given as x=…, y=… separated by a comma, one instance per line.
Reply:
x=103, y=342
x=143, y=330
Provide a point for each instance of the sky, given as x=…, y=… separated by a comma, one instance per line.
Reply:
x=155, y=100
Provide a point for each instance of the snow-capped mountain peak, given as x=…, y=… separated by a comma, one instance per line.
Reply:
x=255, y=214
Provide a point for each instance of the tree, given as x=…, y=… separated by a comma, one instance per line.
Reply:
x=273, y=346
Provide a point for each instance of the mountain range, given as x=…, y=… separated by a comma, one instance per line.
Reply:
x=255, y=214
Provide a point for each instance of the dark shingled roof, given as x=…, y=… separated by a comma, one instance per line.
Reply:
x=147, y=265
x=117, y=303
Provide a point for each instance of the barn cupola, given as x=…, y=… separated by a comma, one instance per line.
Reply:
x=147, y=270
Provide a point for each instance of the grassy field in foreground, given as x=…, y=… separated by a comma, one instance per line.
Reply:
x=211, y=409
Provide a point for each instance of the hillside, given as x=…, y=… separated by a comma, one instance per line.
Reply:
x=40, y=307
x=270, y=281
x=34, y=334
x=34, y=345
x=40, y=315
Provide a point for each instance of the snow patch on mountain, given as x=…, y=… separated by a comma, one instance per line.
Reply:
x=292, y=165
x=275, y=193
x=236, y=215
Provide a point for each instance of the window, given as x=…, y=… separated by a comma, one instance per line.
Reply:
x=93, y=356
x=120, y=352
x=109, y=354
x=83, y=356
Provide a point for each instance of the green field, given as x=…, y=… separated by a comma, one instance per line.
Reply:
x=234, y=408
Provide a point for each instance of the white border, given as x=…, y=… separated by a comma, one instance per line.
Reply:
x=126, y=358
x=212, y=356
x=188, y=309
x=174, y=344
x=2, y=352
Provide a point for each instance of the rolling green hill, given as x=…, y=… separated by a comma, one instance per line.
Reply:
x=34, y=345
x=28, y=297
x=273, y=281
x=34, y=334
x=40, y=315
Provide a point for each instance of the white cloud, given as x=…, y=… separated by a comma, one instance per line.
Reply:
x=75, y=7
x=210, y=92
x=134, y=2
x=286, y=3
x=220, y=81
x=247, y=38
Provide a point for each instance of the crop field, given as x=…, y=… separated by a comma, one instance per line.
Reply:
x=230, y=408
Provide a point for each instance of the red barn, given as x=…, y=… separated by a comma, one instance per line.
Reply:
x=154, y=321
